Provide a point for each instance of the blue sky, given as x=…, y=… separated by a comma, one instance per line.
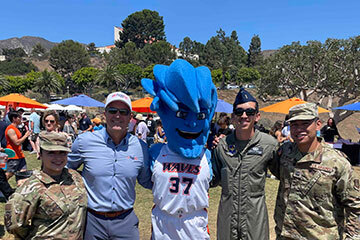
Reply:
x=277, y=22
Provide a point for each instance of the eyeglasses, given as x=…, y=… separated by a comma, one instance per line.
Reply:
x=50, y=121
x=122, y=111
x=249, y=111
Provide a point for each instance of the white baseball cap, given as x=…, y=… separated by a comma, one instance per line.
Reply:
x=118, y=96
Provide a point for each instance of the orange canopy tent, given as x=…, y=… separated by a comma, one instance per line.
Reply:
x=142, y=105
x=284, y=106
x=17, y=100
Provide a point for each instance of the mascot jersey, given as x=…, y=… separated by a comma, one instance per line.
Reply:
x=181, y=185
x=180, y=195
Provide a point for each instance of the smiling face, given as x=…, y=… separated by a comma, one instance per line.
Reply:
x=50, y=123
x=116, y=121
x=245, y=121
x=53, y=162
x=186, y=131
x=303, y=132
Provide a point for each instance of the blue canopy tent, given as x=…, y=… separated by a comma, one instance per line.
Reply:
x=349, y=107
x=80, y=100
x=223, y=106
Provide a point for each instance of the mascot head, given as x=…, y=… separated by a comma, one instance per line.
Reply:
x=185, y=99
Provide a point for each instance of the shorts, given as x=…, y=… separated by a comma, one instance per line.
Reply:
x=15, y=165
x=34, y=137
x=192, y=225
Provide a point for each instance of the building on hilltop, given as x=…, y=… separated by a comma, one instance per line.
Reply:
x=117, y=31
x=108, y=48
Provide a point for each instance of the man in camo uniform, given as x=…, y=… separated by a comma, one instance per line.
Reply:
x=52, y=203
x=319, y=193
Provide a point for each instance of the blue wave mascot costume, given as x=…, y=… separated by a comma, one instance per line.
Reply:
x=185, y=99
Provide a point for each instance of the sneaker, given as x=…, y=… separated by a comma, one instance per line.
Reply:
x=33, y=152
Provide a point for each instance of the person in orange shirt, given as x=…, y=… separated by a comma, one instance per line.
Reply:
x=14, y=141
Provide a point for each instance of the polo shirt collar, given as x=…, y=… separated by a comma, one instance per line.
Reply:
x=108, y=139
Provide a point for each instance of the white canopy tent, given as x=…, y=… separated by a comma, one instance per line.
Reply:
x=56, y=107
x=73, y=108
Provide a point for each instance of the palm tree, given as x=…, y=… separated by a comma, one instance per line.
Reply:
x=47, y=83
x=110, y=78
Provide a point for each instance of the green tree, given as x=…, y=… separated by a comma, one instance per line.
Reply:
x=128, y=54
x=110, y=78
x=18, y=84
x=39, y=52
x=223, y=52
x=13, y=53
x=160, y=52
x=255, y=57
x=85, y=79
x=217, y=76
x=191, y=50
x=91, y=48
x=186, y=47
x=142, y=27
x=131, y=76
x=16, y=66
x=47, y=83
x=4, y=84
x=324, y=71
x=32, y=76
x=342, y=79
x=148, y=72
x=67, y=57
x=247, y=75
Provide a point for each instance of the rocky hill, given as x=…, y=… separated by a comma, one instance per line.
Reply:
x=27, y=43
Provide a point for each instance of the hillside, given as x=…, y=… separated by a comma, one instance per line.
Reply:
x=27, y=43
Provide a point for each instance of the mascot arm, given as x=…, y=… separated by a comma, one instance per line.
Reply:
x=208, y=157
x=216, y=169
x=154, y=152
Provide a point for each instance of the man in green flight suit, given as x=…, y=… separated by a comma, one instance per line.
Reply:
x=319, y=193
x=240, y=163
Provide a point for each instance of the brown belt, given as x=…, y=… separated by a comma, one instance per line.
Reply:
x=109, y=214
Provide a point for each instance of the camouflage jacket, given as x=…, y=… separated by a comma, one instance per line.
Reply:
x=45, y=209
x=242, y=210
x=319, y=195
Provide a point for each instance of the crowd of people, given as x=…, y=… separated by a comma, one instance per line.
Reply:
x=318, y=195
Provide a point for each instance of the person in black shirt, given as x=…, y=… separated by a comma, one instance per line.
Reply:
x=85, y=123
x=151, y=124
x=329, y=131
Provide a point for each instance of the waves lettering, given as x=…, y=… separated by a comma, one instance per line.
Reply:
x=181, y=168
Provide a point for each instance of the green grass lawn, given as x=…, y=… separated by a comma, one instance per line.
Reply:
x=143, y=205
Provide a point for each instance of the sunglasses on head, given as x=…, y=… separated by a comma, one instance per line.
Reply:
x=49, y=121
x=248, y=111
x=122, y=111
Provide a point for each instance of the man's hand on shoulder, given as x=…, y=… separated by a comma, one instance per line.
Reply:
x=216, y=140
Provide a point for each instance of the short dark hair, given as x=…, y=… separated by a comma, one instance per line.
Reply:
x=12, y=115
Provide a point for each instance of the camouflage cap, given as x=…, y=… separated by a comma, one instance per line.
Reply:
x=53, y=141
x=305, y=111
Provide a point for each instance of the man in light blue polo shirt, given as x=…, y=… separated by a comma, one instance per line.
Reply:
x=113, y=160
x=34, y=125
